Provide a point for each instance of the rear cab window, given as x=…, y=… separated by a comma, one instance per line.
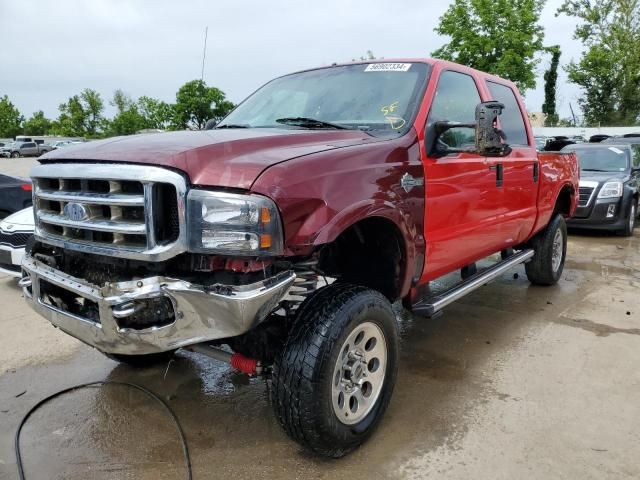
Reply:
x=511, y=120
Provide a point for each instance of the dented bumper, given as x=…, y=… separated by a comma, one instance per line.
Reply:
x=199, y=313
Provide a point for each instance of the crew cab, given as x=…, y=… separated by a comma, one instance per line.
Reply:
x=609, y=187
x=288, y=230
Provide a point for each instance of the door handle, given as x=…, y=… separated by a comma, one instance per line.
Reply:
x=499, y=169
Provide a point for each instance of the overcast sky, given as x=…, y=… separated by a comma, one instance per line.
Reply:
x=50, y=50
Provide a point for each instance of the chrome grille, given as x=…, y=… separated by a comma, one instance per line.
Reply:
x=585, y=195
x=14, y=239
x=586, y=191
x=111, y=209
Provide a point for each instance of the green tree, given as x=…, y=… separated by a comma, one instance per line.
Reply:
x=368, y=56
x=609, y=69
x=10, y=119
x=501, y=37
x=128, y=120
x=196, y=103
x=81, y=115
x=38, y=124
x=94, y=107
x=550, y=87
x=156, y=113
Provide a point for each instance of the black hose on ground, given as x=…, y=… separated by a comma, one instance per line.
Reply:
x=185, y=448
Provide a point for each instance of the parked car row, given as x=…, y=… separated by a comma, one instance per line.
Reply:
x=609, y=186
x=15, y=194
x=16, y=226
x=21, y=148
x=24, y=149
x=15, y=231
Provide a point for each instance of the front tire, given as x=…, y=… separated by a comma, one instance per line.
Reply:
x=630, y=222
x=15, y=154
x=335, y=376
x=550, y=246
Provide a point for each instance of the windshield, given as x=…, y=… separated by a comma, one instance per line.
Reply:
x=376, y=97
x=609, y=159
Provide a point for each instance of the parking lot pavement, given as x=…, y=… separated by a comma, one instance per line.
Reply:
x=17, y=167
x=513, y=381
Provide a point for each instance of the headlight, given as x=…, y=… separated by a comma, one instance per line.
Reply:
x=231, y=224
x=611, y=190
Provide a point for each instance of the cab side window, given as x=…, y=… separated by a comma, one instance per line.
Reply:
x=455, y=100
x=511, y=120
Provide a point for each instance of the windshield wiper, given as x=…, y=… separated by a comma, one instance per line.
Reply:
x=306, y=122
x=594, y=170
x=232, y=125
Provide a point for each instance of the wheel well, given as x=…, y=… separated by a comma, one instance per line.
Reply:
x=564, y=201
x=370, y=253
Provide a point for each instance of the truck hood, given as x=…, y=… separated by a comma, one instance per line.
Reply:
x=231, y=158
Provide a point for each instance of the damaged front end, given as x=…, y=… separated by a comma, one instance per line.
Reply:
x=151, y=313
x=133, y=259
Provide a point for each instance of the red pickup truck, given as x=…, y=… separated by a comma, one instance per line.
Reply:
x=287, y=230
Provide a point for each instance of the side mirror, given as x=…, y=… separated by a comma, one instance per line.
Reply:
x=211, y=123
x=488, y=139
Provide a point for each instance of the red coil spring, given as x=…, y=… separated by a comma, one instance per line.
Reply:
x=244, y=364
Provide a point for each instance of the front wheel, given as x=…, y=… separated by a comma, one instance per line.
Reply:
x=335, y=376
x=630, y=222
x=15, y=154
x=550, y=247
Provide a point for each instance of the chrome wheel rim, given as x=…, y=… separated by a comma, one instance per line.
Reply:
x=557, y=250
x=632, y=217
x=358, y=376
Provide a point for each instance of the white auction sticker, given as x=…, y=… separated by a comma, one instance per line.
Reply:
x=387, y=67
x=616, y=150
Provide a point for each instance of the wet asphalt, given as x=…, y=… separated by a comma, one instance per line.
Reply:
x=513, y=381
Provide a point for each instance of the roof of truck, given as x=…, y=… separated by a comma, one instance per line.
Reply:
x=427, y=60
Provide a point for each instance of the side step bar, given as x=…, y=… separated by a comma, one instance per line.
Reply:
x=432, y=305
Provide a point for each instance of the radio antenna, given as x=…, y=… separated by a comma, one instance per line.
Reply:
x=204, y=52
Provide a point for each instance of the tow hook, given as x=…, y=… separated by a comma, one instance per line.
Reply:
x=243, y=364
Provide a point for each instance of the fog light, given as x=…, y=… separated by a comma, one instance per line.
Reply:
x=611, y=211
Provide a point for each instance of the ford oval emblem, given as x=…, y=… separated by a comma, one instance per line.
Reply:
x=76, y=212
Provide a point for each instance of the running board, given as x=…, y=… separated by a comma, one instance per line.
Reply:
x=432, y=305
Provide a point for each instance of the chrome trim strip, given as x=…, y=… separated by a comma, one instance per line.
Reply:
x=114, y=226
x=149, y=215
x=118, y=199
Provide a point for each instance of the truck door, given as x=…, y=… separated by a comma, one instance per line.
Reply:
x=463, y=203
x=520, y=168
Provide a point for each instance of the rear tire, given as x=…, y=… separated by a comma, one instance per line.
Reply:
x=550, y=246
x=141, y=361
x=334, y=378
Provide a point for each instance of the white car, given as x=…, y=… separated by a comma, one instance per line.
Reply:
x=15, y=230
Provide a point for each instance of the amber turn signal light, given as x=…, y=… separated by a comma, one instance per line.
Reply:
x=265, y=241
x=265, y=215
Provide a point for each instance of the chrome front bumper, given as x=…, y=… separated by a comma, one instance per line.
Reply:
x=201, y=314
